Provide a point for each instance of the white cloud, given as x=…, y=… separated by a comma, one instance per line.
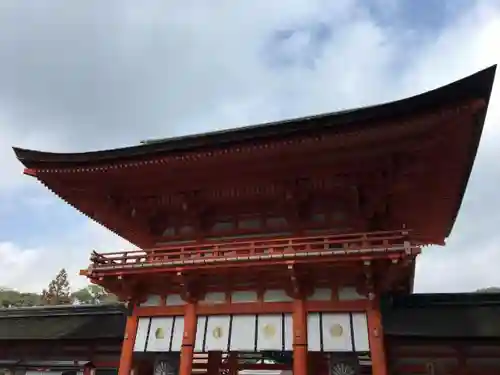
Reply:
x=11, y=135
x=198, y=67
x=18, y=264
x=443, y=270
x=32, y=269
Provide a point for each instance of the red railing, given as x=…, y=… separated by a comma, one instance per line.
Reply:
x=259, y=249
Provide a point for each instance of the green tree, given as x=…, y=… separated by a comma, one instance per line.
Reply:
x=13, y=298
x=491, y=289
x=93, y=294
x=58, y=292
x=29, y=299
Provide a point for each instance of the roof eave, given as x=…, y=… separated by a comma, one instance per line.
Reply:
x=476, y=86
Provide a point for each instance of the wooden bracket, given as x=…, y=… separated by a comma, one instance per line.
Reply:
x=188, y=288
x=295, y=285
x=298, y=287
x=369, y=282
x=195, y=209
x=297, y=200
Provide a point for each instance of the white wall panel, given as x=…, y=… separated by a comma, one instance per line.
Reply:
x=243, y=333
x=142, y=334
x=177, y=334
x=288, y=332
x=160, y=334
x=270, y=332
x=200, y=333
x=336, y=333
x=328, y=332
x=313, y=332
x=217, y=337
x=360, y=328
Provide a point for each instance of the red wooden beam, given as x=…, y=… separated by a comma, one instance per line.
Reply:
x=30, y=172
x=254, y=308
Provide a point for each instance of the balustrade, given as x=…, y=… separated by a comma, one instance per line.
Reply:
x=257, y=249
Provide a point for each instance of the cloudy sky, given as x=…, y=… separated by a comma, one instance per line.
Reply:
x=82, y=75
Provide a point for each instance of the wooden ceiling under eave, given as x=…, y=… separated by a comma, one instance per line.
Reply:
x=404, y=163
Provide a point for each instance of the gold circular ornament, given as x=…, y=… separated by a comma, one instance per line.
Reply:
x=159, y=334
x=336, y=330
x=217, y=332
x=269, y=330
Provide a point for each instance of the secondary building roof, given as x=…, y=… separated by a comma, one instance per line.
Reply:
x=456, y=316
x=453, y=316
x=84, y=322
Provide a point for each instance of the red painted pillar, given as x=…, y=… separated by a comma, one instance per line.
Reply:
x=127, y=353
x=188, y=340
x=299, y=317
x=376, y=338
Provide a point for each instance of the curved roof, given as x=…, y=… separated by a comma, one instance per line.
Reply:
x=439, y=188
x=476, y=86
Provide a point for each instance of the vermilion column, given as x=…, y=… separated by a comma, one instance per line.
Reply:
x=376, y=338
x=188, y=339
x=128, y=345
x=299, y=337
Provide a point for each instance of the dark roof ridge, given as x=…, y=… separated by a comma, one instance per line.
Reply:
x=61, y=310
x=429, y=300
x=475, y=86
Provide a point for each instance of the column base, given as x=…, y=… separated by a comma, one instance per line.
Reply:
x=127, y=353
x=300, y=362
x=376, y=338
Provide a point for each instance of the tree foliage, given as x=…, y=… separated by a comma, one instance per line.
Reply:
x=93, y=294
x=58, y=292
x=13, y=298
x=491, y=289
